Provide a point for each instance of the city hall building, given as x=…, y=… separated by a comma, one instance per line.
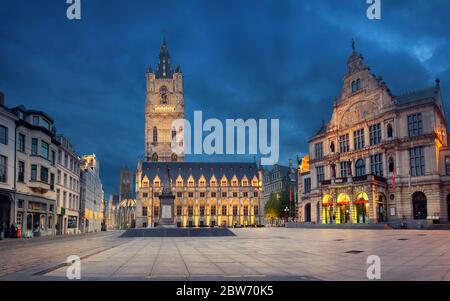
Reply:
x=205, y=194
x=381, y=158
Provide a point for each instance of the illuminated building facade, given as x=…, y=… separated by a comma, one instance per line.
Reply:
x=206, y=194
x=91, y=195
x=381, y=158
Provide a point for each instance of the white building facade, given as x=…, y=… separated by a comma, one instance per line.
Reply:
x=67, y=188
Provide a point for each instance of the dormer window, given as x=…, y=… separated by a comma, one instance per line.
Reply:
x=35, y=120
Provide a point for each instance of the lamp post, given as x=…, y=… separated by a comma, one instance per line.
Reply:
x=286, y=211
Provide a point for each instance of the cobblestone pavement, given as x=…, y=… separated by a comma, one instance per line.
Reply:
x=17, y=255
x=254, y=254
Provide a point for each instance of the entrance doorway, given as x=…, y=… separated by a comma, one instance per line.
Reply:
x=381, y=209
x=327, y=209
x=343, y=211
x=5, y=213
x=308, y=213
x=343, y=214
x=419, y=201
x=361, y=208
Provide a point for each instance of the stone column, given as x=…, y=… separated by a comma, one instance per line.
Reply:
x=373, y=205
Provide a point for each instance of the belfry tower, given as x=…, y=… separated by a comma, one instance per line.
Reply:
x=164, y=104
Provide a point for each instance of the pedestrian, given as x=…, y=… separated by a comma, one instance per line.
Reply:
x=13, y=230
x=1, y=231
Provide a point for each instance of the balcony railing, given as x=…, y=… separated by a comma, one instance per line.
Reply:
x=355, y=180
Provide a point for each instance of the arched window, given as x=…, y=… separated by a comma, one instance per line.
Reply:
x=174, y=134
x=155, y=135
x=389, y=131
x=391, y=164
x=358, y=85
x=332, y=147
x=419, y=202
x=360, y=168
x=353, y=86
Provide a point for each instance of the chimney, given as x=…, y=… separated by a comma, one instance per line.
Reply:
x=2, y=98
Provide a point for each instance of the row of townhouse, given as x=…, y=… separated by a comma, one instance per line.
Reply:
x=40, y=176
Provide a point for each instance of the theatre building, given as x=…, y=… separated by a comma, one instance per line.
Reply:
x=381, y=158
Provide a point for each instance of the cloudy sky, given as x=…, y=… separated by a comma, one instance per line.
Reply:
x=241, y=59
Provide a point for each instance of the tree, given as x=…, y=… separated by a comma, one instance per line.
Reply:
x=276, y=204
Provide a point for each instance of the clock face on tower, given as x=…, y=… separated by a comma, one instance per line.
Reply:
x=164, y=95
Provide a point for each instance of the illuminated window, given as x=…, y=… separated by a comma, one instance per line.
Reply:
x=202, y=210
x=245, y=210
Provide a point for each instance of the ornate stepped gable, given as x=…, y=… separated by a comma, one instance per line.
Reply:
x=364, y=96
x=197, y=171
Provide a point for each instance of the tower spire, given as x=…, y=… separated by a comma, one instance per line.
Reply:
x=163, y=69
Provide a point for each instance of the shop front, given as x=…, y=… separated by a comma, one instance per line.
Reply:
x=361, y=209
x=343, y=209
x=327, y=210
x=35, y=216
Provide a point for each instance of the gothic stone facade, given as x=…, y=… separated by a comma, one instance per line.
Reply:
x=381, y=158
x=164, y=104
x=206, y=194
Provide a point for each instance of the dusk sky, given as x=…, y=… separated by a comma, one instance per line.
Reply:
x=241, y=59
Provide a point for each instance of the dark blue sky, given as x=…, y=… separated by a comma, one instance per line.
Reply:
x=241, y=59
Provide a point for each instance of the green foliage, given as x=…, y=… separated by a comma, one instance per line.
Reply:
x=276, y=204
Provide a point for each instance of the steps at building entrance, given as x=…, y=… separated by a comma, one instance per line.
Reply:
x=177, y=232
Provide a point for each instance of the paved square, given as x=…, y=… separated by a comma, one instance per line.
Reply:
x=253, y=254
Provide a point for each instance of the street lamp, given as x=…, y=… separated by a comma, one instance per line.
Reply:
x=286, y=211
